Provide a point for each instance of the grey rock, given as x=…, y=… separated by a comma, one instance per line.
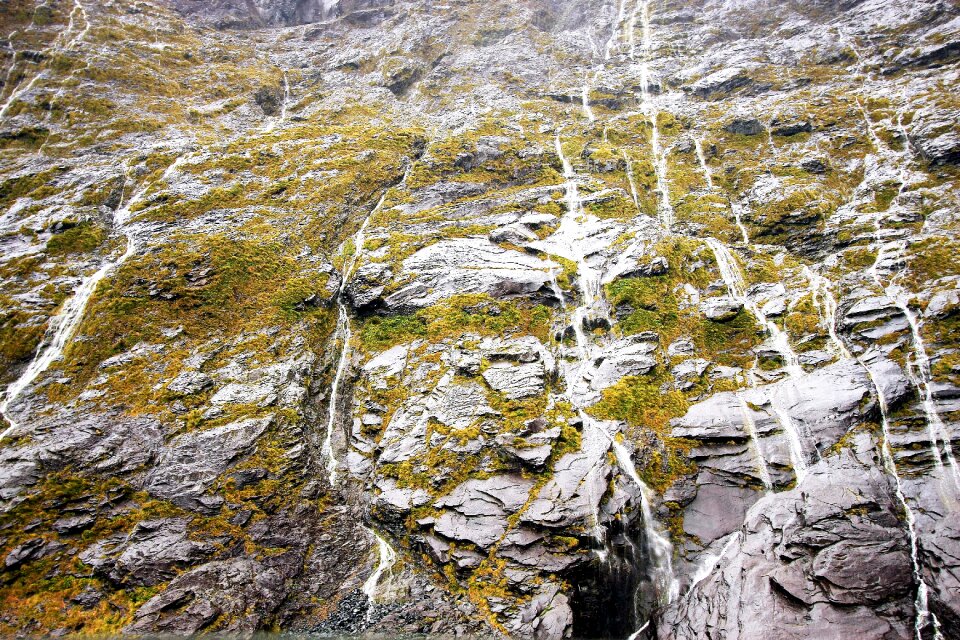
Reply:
x=190, y=463
x=721, y=309
x=745, y=126
x=368, y=283
x=468, y=265
x=189, y=383
x=150, y=554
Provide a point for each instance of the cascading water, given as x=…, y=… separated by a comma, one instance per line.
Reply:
x=826, y=306
x=711, y=561
x=585, y=101
x=67, y=39
x=282, y=117
x=922, y=611
x=569, y=241
x=751, y=428
x=630, y=181
x=733, y=279
x=702, y=159
x=386, y=559
x=651, y=112
x=826, y=303
x=737, y=209
x=66, y=321
x=922, y=378
x=343, y=333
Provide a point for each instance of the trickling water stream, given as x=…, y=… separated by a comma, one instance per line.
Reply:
x=751, y=428
x=65, y=322
x=343, y=334
x=922, y=612
x=648, y=105
x=702, y=159
x=386, y=558
x=570, y=241
x=733, y=279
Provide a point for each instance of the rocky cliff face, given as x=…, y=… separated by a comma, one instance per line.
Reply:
x=516, y=319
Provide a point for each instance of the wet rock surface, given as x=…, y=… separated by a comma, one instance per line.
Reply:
x=480, y=319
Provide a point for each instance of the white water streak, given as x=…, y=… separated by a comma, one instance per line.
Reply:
x=711, y=561
x=733, y=278
x=282, y=117
x=920, y=603
x=386, y=559
x=737, y=209
x=344, y=333
x=585, y=101
x=63, y=325
x=658, y=544
x=651, y=112
x=66, y=39
x=922, y=378
x=707, y=173
x=826, y=306
x=630, y=180
x=751, y=428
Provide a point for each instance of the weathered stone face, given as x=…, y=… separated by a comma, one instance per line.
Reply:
x=537, y=319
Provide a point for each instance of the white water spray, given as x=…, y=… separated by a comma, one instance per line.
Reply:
x=386, y=559
x=702, y=159
x=344, y=333
x=651, y=112
x=751, y=428
x=65, y=322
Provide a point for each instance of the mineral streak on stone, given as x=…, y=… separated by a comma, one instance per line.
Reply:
x=534, y=319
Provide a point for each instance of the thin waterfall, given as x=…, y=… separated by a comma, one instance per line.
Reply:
x=651, y=112
x=67, y=39
x=344, y=333
x=736, y=286
x=751, y=428
x=585, y=101
x=282, y=116
x=65, y=322
x=386, y=559
x=922, y=377
x=737, y=209
x=826, y=306
x=702, y=159
x=922, y=611
x=567, y=242
x=733, y=279
x=711, y=561
x=630, y=181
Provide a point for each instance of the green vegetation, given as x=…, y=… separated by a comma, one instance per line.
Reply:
x=81, y=237
x=470, y=313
